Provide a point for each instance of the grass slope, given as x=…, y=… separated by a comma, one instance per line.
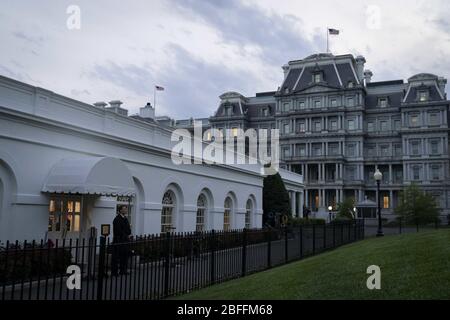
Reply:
x=413, y=266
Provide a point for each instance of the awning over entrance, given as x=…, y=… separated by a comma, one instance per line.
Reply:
x=101, y=176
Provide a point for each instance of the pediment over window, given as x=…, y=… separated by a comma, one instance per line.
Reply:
x=321, y=87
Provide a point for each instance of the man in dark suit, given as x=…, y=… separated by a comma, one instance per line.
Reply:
x=121, y=237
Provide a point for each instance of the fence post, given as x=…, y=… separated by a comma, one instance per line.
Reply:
x=213, y=256
x=269, y=249
x=364, y=228
x=167, y=265
x=325, y=236
x=301, y=241
x=417, y=225
x=400, y=225
x=342, y=233
x=314, y=239
x=334, y=234
x=286, y=244
x=349, y=226
x=355, y=224
x=244, y=252
x=101, y=267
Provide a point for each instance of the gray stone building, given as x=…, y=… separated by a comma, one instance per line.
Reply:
x=337, y=127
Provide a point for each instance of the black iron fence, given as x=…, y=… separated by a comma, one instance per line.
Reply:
x=157, y=266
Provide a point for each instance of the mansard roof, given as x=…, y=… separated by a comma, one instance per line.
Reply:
x=394, y=99
x=432, y=90
x=254, y=110
x=336, y=74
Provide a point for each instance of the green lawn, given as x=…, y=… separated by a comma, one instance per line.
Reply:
x=413, y=266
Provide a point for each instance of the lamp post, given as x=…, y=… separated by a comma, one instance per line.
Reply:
x=330, y=208
x=378, y=176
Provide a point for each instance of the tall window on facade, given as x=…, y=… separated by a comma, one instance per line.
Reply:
x=351, y=125
x=385, y=202
x=434, y=147
x=351, y=150
x=248, y=214
x=228, y=205
x=435, y=172
x=333, y=125
x=286, y=128
x=434, y=119
x=64, y=214
x=415, y=148
x=384, y=151
x=317, y=126
x=423, y=96
x=414, y=120
x=302, y=150
x=382, y=102
x=201, y=213
x=350, y=102
x=168, y=208
x=302, y=105
x=416, y=173
x=229, y=111
x=317, y=77
x=302, y=127
x=317, y=104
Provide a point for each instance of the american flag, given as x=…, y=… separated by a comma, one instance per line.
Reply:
x=159, y=88
x=334, y=32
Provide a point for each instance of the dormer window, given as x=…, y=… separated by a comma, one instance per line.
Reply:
x=228, y=110
x=423, y=95
x=317, y=77
x=382, y=102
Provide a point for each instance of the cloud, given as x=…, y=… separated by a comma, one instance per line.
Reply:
x=192, y=85
x=27, y=38
x=279, y=36
x=137, y=79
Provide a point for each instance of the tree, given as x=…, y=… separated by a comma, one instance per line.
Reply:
x=275, y=197
x=417, y=206
x=345, y=209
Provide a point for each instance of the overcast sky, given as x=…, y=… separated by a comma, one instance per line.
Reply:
x=198, y=49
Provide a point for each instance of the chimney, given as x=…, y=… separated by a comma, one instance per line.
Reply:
x=368, y=76
x=442, y=83
x=115, y=107
x=100, y=104
x=285, y=70
x=115, y=103
x=360, y=61
x=147, y=112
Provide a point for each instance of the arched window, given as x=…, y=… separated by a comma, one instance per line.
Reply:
x=202, y=205
x=228, y=205
x=248, y=214
x=168, y=207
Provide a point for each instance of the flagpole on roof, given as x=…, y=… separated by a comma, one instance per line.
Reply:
x=154, y=97
x=327, y=39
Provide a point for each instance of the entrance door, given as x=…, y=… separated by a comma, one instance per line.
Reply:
x=64, y=218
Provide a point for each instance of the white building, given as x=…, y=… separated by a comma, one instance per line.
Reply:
x=65, y=166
